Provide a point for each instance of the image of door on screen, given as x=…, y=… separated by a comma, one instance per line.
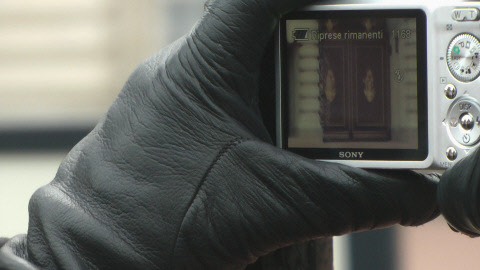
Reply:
x=352, y=83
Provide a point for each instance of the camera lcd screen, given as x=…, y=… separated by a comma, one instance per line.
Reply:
x=355, y=80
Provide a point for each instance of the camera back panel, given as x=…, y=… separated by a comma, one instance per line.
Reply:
x=380, y=84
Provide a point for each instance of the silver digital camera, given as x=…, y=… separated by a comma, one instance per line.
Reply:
x=380, y=84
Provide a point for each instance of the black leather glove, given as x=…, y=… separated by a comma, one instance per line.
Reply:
x=181, y=173
x=459, y=195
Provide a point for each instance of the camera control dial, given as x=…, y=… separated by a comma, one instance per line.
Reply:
x=463, y=121
x=463, y=57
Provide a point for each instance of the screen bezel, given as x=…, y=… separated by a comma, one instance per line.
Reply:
x=419, y=154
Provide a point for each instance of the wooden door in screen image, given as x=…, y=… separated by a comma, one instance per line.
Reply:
x=355, y=97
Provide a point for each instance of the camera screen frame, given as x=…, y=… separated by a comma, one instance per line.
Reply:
x=418, y=154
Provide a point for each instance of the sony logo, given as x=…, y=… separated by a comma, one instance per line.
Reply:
x=351, y=155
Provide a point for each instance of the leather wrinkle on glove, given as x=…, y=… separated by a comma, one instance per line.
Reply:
x=458, y=195
x=181, y=173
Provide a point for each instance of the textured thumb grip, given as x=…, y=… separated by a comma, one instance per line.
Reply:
x=458, y=195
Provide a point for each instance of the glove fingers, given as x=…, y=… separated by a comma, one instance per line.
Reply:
x=301, y=198
x=247, y=23
x=258, y=198
x=458, y=195
x=352, y=199
x=231, y=40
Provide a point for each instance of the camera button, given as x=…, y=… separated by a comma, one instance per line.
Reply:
x=465, y=14
x=463, y=121
x=452, y=154
x=453, y=122
x=467, y=122
x=450, y=91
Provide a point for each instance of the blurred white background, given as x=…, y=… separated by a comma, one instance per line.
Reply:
x=61, y=65
x=63, y=62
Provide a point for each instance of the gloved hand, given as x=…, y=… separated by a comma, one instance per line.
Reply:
x=458, y=195
x=181, y=173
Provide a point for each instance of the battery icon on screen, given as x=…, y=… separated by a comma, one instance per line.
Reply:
x=301, y=34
